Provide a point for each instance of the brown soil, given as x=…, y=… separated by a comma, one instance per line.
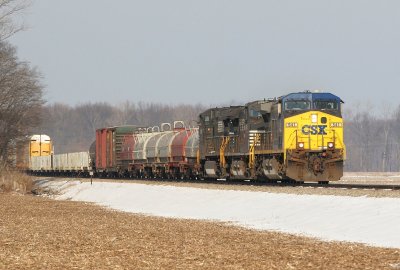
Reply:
x=38, y=233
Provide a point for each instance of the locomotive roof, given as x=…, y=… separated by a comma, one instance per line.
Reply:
x=267, y=103
x=223, y=109
x=307, y=95
x=40, y=138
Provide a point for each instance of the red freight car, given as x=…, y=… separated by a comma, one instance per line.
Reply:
x=104, y=149
x=114, y=149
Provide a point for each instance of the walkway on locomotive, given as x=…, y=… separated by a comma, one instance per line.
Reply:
x=312, y=122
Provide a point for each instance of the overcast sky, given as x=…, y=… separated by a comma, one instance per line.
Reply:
x=212, y=51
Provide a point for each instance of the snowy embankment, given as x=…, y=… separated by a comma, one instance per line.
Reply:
x=373, y=221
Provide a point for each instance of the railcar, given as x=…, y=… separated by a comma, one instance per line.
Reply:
x=39, y=145
x=113, y=147
x=166, y=152
x=298, y=137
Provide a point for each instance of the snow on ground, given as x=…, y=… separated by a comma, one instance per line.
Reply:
x=373, y=221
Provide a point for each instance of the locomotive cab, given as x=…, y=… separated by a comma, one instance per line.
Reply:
x=313, y=136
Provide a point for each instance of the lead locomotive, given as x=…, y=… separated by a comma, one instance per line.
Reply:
x=298, y=136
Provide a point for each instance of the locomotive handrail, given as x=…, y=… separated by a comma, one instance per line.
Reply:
x=340, y=141
x=252, y=155
x=295, y=138
x=225, y=141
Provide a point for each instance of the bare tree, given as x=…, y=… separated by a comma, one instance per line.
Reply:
x=359, y=138
x=188, y=113
x=20, y=98
x=125, y=114
x=396, y=138
x=8, y=11
x=387, y=116
x=95, y=115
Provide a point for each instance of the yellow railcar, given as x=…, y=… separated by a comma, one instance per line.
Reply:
x=32, y=146
x=40, y=145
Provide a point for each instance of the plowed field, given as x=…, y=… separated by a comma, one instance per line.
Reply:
x=39, y=233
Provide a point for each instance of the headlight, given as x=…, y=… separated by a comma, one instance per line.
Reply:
x=331, y=145
x=301, y=145
x=314, y=118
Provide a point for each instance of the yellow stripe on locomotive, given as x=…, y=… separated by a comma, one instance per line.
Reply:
x=313, y=130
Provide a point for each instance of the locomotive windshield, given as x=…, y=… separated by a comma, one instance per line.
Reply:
x=254, y=113
x=305, y=101
x=326, y=105
x=297, y=105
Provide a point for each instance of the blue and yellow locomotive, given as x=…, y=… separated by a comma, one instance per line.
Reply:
x=298, y=136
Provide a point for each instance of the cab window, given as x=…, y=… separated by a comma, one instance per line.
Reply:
x=297, y=105
x=326, y=105
x=254, y=113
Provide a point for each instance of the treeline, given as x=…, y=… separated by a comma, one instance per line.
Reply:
x=73, y=128
x=372, y=138
x=21, y=90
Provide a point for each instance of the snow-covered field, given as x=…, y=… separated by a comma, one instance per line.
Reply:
x=373, y=221
x=372, y=177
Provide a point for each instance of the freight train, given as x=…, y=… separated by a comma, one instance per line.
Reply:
x=296, y=137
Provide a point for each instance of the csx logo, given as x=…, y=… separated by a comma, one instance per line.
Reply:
x=314, y=129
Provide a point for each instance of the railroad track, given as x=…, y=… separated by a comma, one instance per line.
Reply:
x=313, y=185
x=353, y=186
x=268, y=184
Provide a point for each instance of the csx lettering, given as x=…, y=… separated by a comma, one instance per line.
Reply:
x=314, y=129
